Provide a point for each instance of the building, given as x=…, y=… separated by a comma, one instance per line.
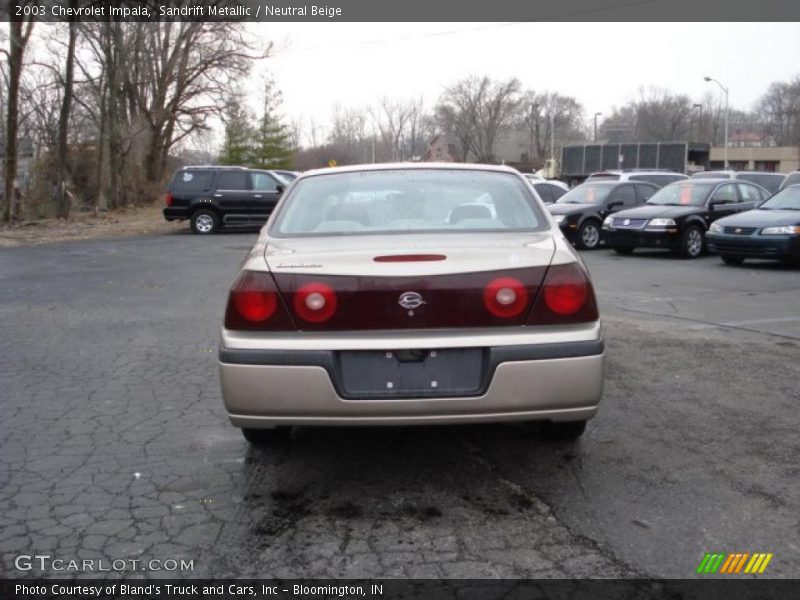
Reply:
x=780, y=159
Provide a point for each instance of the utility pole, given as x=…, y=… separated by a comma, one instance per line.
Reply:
x=597, y=114
x=724, y=89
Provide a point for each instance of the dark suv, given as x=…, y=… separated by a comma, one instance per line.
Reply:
x=213, y=197
x=580, y=212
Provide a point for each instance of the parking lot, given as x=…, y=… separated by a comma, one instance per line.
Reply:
x=115, y=444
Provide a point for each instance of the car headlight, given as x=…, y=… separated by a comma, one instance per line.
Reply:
x=608, y=221
x=559, y=218
x=715, y=228
x=661, y=223
x=785, y=230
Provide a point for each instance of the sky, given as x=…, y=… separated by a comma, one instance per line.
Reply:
x=320, y=65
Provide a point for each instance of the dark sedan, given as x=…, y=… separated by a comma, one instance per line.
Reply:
x=580, y=212
x=677, y=217
x=771, y=231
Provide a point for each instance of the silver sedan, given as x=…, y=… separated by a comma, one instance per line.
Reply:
x=405, y=294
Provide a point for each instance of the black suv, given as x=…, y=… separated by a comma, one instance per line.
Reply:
x=580, y=212
x=213, y=197
x=678, y=216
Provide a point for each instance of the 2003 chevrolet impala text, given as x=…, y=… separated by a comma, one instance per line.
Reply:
x=411, y=294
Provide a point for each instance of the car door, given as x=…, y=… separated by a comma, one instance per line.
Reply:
x=623, y=196
x=232, y=194
x=265, y=194
x=723, y=201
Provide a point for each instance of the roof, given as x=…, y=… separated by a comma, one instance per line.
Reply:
x=427, y=166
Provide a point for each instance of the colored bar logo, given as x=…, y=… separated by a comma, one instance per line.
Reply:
x=734, y=563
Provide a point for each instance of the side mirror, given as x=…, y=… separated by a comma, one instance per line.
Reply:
x=279, y=188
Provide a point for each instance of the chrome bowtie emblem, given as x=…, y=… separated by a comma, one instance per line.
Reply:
x=410, y=300
x=626, y=222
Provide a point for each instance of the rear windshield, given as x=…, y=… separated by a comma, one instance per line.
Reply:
x=586, y=194
x=413, y=200
x=682, y=194
x=603, y=177
x=191, y=181
x=769, y=181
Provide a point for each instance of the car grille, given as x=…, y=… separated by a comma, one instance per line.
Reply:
x=739, y=230
x=628, y=223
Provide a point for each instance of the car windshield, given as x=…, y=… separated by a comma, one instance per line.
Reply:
x=407, y=200
x=682, y=194
x=787, y=199
x=604, y=177
x=585, y=194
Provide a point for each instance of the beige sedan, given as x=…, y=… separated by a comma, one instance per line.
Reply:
x=408, y=294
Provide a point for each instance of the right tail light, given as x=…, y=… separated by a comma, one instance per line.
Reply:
x=168, y=199
x=566, y=296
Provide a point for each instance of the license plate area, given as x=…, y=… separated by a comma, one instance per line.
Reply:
x=423, y=373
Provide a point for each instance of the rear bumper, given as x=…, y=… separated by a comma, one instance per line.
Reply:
x=755, y=246
x=641, y=238
x=552, y=381
x=175, y=213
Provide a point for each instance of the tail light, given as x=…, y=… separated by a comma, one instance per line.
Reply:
x=254, y=304
x=566, y=296
x=315, y=302
x=168, y=199
x=505, y=297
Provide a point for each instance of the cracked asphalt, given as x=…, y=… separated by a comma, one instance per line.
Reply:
x=114, y=443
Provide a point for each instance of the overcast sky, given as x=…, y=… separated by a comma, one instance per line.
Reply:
x=318, y=65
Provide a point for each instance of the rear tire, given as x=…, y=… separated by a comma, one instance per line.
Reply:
x=624, y=250
x=266, y=437
x=204, y=221
x=692, y=242
x=588, y=235
x=731, y=259
x=563, y=430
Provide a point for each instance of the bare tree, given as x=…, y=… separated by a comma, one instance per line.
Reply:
x=20, y=33
x=64, y=203
x=779, y=112
x=475, y=110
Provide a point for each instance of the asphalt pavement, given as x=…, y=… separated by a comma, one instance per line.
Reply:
x=114, y=443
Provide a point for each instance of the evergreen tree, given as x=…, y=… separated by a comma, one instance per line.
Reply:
x=237, y=147
x=271, y=148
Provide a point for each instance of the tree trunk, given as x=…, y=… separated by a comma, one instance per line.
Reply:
x=64, y=203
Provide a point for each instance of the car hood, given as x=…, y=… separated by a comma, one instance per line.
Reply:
x=572, y=209
x=762, y=218
x=355, y=255
x=653, y=211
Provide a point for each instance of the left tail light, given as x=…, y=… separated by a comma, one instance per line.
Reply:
x=168, y=199
x=255, y=304
x=566, y=296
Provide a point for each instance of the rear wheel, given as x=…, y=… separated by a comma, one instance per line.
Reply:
x=567, y=430
x=204, y=221
x=589, y=235
x=732, y=259
x=624, y=250
x=265, y=437
x=692, y=242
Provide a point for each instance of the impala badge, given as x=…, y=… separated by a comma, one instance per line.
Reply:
x=410, y=300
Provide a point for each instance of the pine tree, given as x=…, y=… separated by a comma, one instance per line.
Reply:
x=237, y=147
x=271, y=148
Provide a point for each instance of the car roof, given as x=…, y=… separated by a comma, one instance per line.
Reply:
x=415, y=166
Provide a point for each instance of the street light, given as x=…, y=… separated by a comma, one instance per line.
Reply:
x=595, y=125
x=724, y=89
x=699, y=123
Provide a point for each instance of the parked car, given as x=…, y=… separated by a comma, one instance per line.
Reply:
x=677, y=216
x=768, y=180
x=792, y=178
x=659, y=177
x=215, y=197
x=770, y=231
x=386, y=294
x=289, y=176
x=549, y=191
x=580, y=212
